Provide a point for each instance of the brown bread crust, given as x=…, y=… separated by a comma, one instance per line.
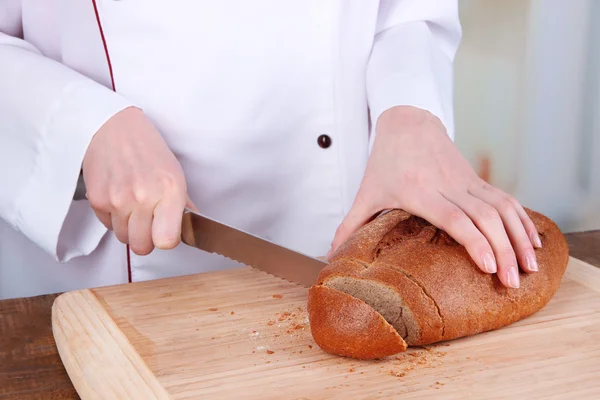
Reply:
x=346, y=326
x=446, y=293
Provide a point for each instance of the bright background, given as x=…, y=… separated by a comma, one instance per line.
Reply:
x=527, y=98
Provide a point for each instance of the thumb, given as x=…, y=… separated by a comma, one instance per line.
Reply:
x=189, y=204
x=358, y=215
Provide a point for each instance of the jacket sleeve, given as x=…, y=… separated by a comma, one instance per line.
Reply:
x=48, y=116
x=411, y=62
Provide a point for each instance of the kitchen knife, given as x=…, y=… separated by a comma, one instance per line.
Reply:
x=216, y=237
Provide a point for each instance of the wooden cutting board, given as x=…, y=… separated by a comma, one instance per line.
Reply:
x=242, y=334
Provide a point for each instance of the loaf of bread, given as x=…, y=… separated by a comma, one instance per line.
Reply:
x=400, y=281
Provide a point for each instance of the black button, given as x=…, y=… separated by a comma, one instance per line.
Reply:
x=324, y=141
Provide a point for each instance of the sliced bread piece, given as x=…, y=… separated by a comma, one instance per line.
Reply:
x=344, y=325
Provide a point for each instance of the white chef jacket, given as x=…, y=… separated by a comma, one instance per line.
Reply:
x=240, y=90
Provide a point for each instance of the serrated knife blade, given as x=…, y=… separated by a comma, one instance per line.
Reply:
x=213, y=236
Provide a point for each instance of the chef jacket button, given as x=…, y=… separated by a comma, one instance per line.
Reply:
x=324, y=141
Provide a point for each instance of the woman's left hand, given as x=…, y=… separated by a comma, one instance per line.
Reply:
x=416, y=167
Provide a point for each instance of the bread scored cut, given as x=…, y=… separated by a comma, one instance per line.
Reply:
x=400, y=281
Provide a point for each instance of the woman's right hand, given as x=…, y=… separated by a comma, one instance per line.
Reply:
x=135, y=184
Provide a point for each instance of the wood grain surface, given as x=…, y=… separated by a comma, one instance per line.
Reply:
x=242, y=333
x=30, y=367
x=80, y=321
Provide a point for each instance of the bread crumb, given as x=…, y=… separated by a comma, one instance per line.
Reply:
x=277, y=296
x=212, y=338
x=310, y=346
x=361, y=372
x=271, y=323
x=213, y=309
x=351, y=370
x=298, y=326
x=270, y=352
x=284, y=316
x=232, y=313
x=397, y=374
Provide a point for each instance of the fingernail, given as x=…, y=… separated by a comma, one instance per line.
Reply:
x=532, y=262
x=513, y=278
x=489, y=263
x=537, y=242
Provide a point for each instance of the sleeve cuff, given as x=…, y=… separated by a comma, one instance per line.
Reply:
x=408, y=67
x=44, y=203
x=415, y=91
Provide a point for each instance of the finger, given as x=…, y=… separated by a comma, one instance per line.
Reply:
x=487, y=219
x=101, y=209
x=449, y=217
x=358, y=215
x=105, y=218
x=486, y=190
x=140, y=231
x=528, y=224
x=120, y=224
x=513, y=224
x=166, y=226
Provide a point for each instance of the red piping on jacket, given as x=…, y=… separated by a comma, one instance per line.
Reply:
x=112, y=82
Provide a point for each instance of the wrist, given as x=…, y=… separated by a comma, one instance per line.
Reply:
x=401, y=119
